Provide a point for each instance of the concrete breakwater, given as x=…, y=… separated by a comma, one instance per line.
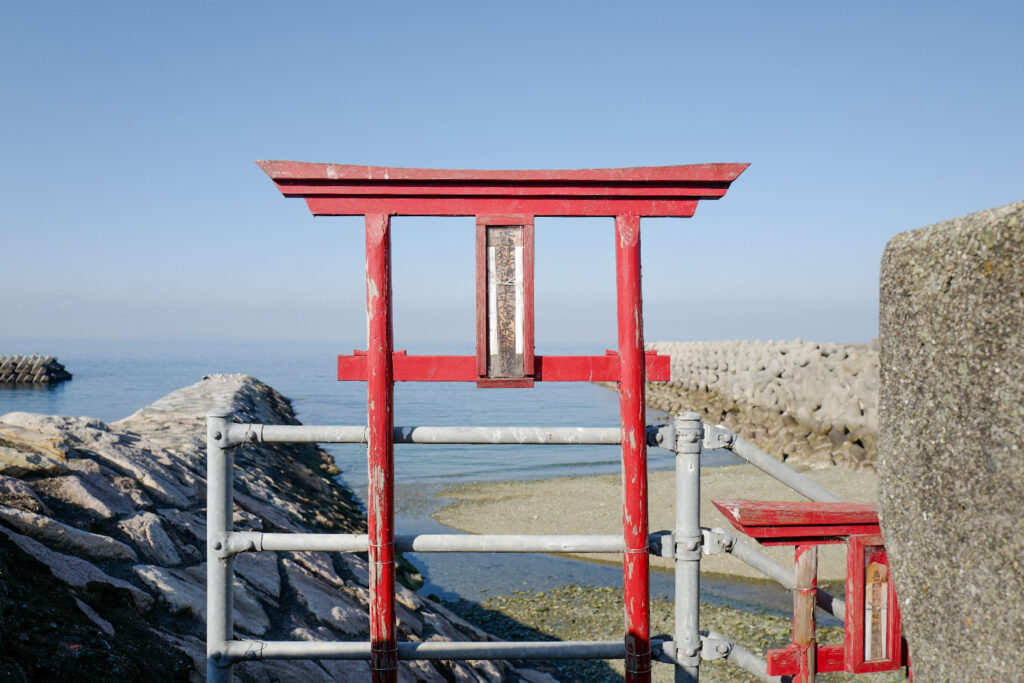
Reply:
x=807, y=403
x=20, y=369
x=103, y=537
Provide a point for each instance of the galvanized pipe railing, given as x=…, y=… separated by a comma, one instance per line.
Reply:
x=220, y=610
x=714, y=646
x=688, y=542
x=256, y=541
x=719, y=540
x=722, y=437
x=688, y=551
x=257, y=433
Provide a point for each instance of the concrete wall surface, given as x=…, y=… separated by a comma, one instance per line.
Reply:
x=951, y=442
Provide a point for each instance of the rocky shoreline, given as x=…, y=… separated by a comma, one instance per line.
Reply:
x=808, y=403
x=102, y=544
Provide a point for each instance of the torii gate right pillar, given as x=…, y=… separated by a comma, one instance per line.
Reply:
x=632, y=408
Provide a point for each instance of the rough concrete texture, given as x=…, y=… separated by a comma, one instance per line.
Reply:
x=102, y=549
x=952, y=442
x=808, y=403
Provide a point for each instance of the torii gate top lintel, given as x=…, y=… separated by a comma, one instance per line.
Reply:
x=652, y=191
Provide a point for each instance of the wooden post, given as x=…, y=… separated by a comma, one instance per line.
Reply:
x=636, y=570
x=381, y=460
x=803, y=612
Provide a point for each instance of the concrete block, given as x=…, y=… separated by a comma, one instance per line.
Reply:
x=951, y=441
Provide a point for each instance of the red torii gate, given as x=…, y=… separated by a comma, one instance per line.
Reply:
x=505, y=204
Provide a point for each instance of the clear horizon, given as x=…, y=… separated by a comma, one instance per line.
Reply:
x=132, y=208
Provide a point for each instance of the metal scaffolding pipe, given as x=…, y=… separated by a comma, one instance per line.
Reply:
x=763, y=563
x=245, y=541
x=688, y=552
x=831, y=604
x=772, y=467
x=220, y=609
x=259, y=433
x=238, y=650
x=719, y=540
x=743, y=658
x=747, y=660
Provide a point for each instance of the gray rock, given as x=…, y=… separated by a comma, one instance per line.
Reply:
x=183, y=591
x=122, y=494
x=326, y=602
x=341, y=670
x=15, y=463
x=185, y=522
x=17, y=494
x=421, y=670
x=157, y=481
x=259, y=570
x=191, y=646
x=296, y=671
x=75, y=571
x=952, y=441
x=77, y=492
x=147, y=533
x=67, y=538
x=19, y=431
x=105, y=625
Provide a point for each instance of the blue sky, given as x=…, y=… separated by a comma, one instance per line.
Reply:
x=131, y=208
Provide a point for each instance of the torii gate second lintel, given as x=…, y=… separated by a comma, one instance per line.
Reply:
x=505, y=204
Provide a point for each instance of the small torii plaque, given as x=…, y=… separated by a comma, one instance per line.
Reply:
x=505, y=301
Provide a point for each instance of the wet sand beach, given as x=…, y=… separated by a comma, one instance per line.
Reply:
x=593, y=505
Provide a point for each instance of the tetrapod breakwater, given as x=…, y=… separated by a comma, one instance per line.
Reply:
x=35, y=369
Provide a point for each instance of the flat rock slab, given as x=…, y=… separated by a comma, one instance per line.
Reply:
x=75, y=571
x=952, y=441
x=67, y=538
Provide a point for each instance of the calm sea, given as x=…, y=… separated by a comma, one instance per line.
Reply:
x=113, y=379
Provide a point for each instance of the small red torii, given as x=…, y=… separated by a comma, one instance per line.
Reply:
x=873, y=631
x=505, y=204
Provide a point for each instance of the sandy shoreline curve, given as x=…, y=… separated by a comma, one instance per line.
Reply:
x=593, y=505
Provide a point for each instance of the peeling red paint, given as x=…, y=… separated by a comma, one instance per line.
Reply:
x=636, y=570
x=625, y=193
x=380, y=452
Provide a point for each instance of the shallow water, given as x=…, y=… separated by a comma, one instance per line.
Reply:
x=114, y=379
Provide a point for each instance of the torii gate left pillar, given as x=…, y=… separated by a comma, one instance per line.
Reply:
x=504, y=199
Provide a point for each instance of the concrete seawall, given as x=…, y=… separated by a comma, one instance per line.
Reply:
x=806, y=403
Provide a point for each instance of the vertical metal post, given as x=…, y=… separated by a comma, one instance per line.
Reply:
x=636, y=568
x=219, y=569
x=380, y=459
x=803, y=612
x=688, y=541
